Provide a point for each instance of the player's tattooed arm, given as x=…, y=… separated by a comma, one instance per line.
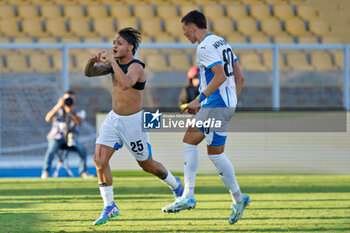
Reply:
x=96, y=70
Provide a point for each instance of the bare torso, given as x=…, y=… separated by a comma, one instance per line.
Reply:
x=127, y=102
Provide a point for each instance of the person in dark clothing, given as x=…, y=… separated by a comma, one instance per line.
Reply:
x=190, y=92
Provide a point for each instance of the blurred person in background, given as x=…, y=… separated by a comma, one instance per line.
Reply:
x=190, y=92
x=66, y=119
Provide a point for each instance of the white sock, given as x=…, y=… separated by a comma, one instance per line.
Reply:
x=227, y=175
x=107, y=195
x=171, y=181
x=190, y=169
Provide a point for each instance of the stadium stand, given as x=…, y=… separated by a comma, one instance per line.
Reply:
x=241, y=21
x=80, y=27
x=104, y=27
x=50, y=11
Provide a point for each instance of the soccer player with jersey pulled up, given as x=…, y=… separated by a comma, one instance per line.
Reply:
x=123, y=124
x=220, y=84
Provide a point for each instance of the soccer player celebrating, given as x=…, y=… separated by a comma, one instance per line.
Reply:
x=220, y=84
x=122, y=125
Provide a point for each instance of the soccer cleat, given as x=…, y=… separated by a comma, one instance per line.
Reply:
x=107, y=213
x=44, y=175
x=181, y=203
x=237, y=209
x=179, y=190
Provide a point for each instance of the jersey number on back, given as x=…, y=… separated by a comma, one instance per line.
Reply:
x=227, y=54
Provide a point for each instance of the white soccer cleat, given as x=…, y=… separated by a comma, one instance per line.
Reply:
x=181, y=203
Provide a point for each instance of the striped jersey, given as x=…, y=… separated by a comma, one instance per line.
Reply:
x=214, y=50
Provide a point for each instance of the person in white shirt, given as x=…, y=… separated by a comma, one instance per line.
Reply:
x=221, y=82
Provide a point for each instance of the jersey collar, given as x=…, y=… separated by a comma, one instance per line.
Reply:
x=209, y=34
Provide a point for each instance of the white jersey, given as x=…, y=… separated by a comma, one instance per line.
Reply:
x=214, y=50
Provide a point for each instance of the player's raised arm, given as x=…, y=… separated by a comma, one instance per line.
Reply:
x=96, y=70
x=239, y=78
x=127, y=80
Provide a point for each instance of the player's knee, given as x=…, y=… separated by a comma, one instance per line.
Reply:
x=100, y=162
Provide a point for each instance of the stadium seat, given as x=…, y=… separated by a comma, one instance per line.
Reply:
x=296, y=27
x=236, y=11
x=23, y=39
x=183, y=39
x=179, y=62
x=6, y=12
x=338, y=56
x=236, y=38
x=57, y=27
x=10, y=27
x=260, y=11
x=285, y=39
x=173, y=26
x=251, y=62
x=120, y=11
x=80, y=27
x=307, y=12
x=156, y=62
x=319, y=27
x=144, y=11
x=297, y=61
x=331, y=40
x=57, y=62
x=297, y=2
x=47, y=39
x=272, y=26
x=73, y=11
x=94, y=39
x=33, y=27
x=70, y=39
x=164, y=38
x=268, y=61
x=96, y=11
x=167, y=11
x=4, y=39
x=223, y=27
x=81, y=58
x=283, y=11
x=28, y=11
x=152, y=26
x=147, y=39
x=105, y=27
x=185, y=8
x=273, y=2
x=204, y=2
x=307, y=40
x=213, y=11
x=40, y=62
x=322, y=61
x=261, y=39
x=16, y=62
x=128, y=22
x=50, y=11
x=248, y=27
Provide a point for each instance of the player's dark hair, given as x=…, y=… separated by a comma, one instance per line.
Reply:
x=132, y=36
x=195, y=17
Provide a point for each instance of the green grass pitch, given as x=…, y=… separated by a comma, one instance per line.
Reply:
x=280, y=203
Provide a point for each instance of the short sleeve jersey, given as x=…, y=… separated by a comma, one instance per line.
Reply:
x=214, y=50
